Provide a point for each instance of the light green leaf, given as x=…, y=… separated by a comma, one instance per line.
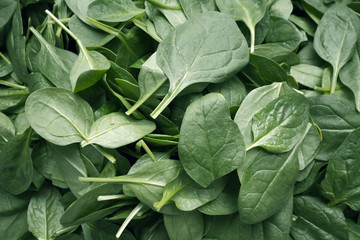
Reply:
x=116, y=130
x=59, y=116
x=281, y=124
x=185, y=60
x=187, y=225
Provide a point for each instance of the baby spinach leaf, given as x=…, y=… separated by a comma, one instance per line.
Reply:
x=54, y=63
x=267, y=185
x=12, y=98
x=16, y=164
x=335, y=38
x=248, y=11
x=113, y=11
x=184, y=60
x=280, y=125
x=116, y=129
x=307, y=75
x=315, y=220
x=227, y=228
x=218, y=148
x=61, y=124
x=284, y=33
x=336, y=117
x=80, y=8
x=13, y=226
x=192, y=8
x=349, y=75
x=44, y=212
x=7, y=129
x=340, y=178
x=70, y=163
x=7, y=9
x=187, y=225
x=253, y=103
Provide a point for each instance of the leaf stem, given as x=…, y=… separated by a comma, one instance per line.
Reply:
x=112, y=197
x=159, y=4
x=103, y=27
x=163, y=104
x=144, y=98
x=334, y=81
x=5, y=58
x=129, y=218
x=120, y=179
x=148, y=151
x=252, y=40
x=103, y=151
x=13, y=85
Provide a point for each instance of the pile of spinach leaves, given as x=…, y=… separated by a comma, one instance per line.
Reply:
x=179, y=119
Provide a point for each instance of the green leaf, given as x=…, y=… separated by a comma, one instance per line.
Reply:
x=281, y=124
x=248, y=11
x=87, y=69
x=10, y=204
x=7, y=129
x=54, y=63
x=13, y=226
x=12, y=98
x=266, y=185
x=184, y=60
x=7, y=9
x=341, y=181
x=15, y=164
x=44, y=212
x=113, y=11
x=218, y=148
x=187, y=225
x=315, y=220
x=335, y=38
x=307, y=75
x=284, y=33
x=62, y=124
x=79, y=8
x=336, y=117
x=349, y=76
x=191, y=8
x=254, y=102
x=69, y=162
x=116, y=129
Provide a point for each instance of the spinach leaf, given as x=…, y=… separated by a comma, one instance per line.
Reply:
x=74, y=115
x=184, y=60
x=188, y=225
x=280, y=125
x=338, y=48
x=253, y=103
x=314, y=219
x=16, y=164
x=44, y=212
x=249, y=11
x=218, y=148
x=341, y=182
x=113, y=11
x=54, y=63
x=267, y=185
x=116, y=129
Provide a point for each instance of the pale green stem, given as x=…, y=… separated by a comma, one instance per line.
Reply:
x=103, y=27
x=13, y=85
x=120, y=179
x=144, y=98
x=163, y=104
x=112, y=197
x=147, y=150
x=103, y=151
x=334, y=81
x=252, y=40
x=63, y=20
x=5, y=58
x=139, y=2
x=129, y=218
x=81, y=46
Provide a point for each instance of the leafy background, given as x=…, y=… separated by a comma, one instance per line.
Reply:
x=179, y=119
